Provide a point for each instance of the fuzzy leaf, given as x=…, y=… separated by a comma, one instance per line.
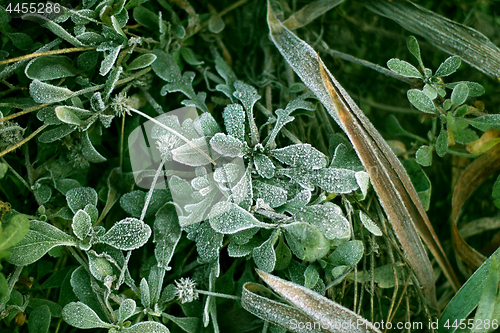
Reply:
x=111, y=82
x=109, y=60
x=187, y=154
x=347, y=254
x=190, y=57
x=80, y=315
x=80, y=283
x=82, y=224
x=300, y=155
x=449, y=66
x=234, y=120
x=228, y=218
x=50, y=68
x=475, y=89
x=421, y=101
x=403, y=68
x=99, y=266
x=167, y=234
x=141, y=61
x=43, y=92
x=145, y=295
x=413, y=47
x=80, y=197
x=165, y=66
x=127, y=234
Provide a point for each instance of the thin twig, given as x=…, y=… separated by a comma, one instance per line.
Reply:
x=20, y=143
x=41, y=54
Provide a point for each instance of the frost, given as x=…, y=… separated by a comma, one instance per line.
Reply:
x=264, y=166
x=189, y=155
x=78, y=198
x=80, y=315
x=165, y=66
x=247, y=95
x=50, y=68
x=208, y=242
x=110, y=84
x=146, y=327
x=145, y=295
x=206, y=125
x=43, y=92
x=459, y=94
x=404, y=68
x=89, y=152
x=305, y=241
x=126, y=310
x=57, y=133
x=421, y=101
x=227, y=173
x=347, y=254
x=346, y=158
x=141, y=61
x=234, y=120
x=369, y=224
x=229, y=146
x=300, y=155
x=449, y=66
x=335, y=180
x=127, y=234
x=272, y=195
x=99, y=266
x=264, y=255
x=133, y=202
x=82, y=288
x=328, y=219
x=363, y=180
x=82, y=224
x=109, y=60
x=228, y=218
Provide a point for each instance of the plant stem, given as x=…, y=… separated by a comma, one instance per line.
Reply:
x=41, y=54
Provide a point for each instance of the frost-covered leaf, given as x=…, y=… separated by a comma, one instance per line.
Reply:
x=80, y=315
x=449, y=66
x=71, y=115
x=335, y=180
x=78, y=198
x=133, y=202
x=190, y=57
x=82, y=289
x=483, y=123
x=328, y=219
x=346, y=158
x=165, y=66
x=305, y=241
x=311, y=277
x=234, y=120
x=82, y=224
x=421, y=101
x=145, y=17
x=208, y=241
x=414, y=49
x=206, y=125
x=283, y=119
x=146, y=327
x=430, y=91
x=459, y=94
x=424, y=156
x=184, y=84
x=283, y=255
x=40, y=239
x=188, y=324
x=347, y=254
x=363, y=181
x=189, y=155
x=228, y=75
x=475, y=89
x=369, y=224
x=126, y=309
x=61, y=32
x=110, y=84
x=264, y=255
x=236, y=250
x=246, y=94
x=272, y=195
x=50, y=68
x=109, y=60
x=228, y=218
x=226, y=173
x=89, y=152
x=264, y=166
x=127, y=234
x=20, y=40
x=43, y=92
x=229, y=146
x=167, y=234
x=300, y=155
x=145, y=295
x=403, y=68
x=442, y=142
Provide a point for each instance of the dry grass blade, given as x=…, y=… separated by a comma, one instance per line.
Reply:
x=309, y=12
x=452, y=37
x=390, y=180
x=472, y=177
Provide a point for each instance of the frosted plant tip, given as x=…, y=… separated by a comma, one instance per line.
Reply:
x=186, y=290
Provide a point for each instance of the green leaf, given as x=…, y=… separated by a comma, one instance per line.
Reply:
x=228, y=218
x=82, y=224
x=20, y=40
x=141, y=61
x=414, y=49
x=335, y=180
x=61, y=32
x=328, y=219
x=369, y=224
x=305, y=241
x=146, y=18
x=208, y=242
x=264, y=255
x=146, y=327
x=110, y=84
x=81, y=285
x=39, y=320
x=66, y=115
x=80, y=197
x=403, y=68
x=449, y=66
x=272, y=195
x=475, y=89
x=234, y=120
x=14, y=232
x=442, y=142
x=347, y=254
x=145, y=295
x=488, y=301
x=165, y=66
x=127, y=234
x=39, y=240
x=300, y=155
x=80, y=315
x=188, y=155
x=419, y=180
x=311, y=277
x=133, y=202
x=496, y=192
x=283, y=255
x=459, y=94
x=424, y=156
x=264, y=166
x=421, y=101
x=3, y=169
x=87, y=60
x=490, y=121
x=229, y=146
x=126, y=310
x=346, y=158
x=188, y=324
x=190, y=57
x=109, y=60
x=57, y=133
x=99, y=266
x=43, y=92
x=89, y=152
x=167, y=234
x=50, y=68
